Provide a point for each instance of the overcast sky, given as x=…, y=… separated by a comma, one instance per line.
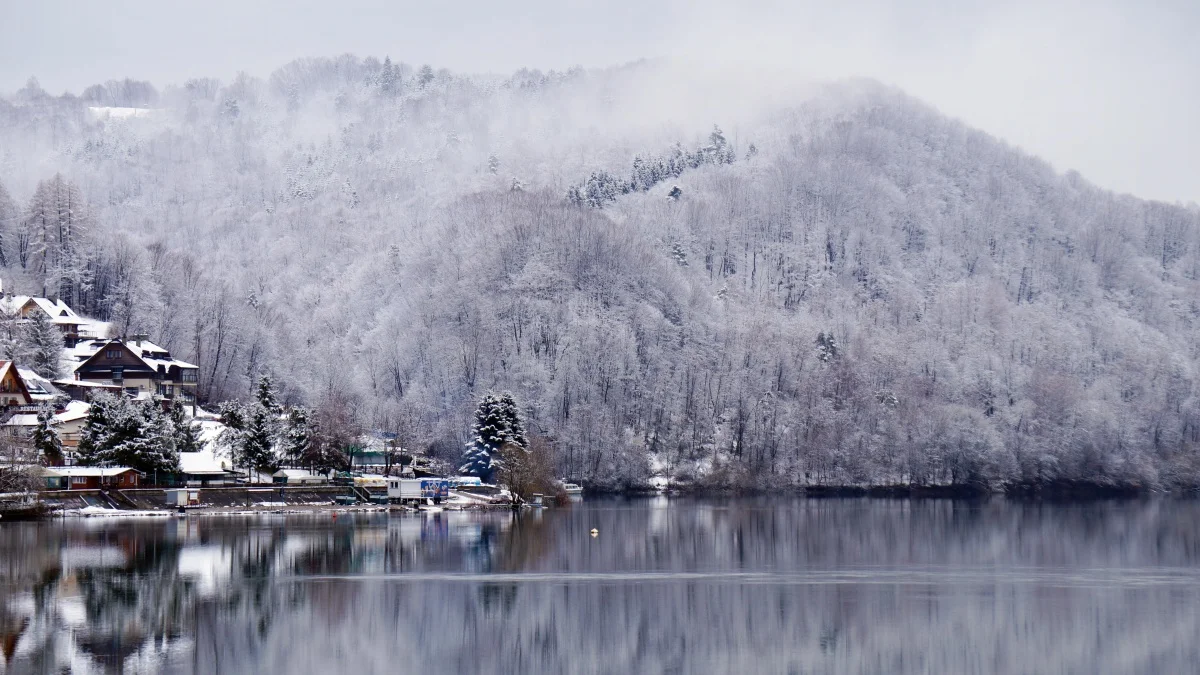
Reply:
x=1108, y=87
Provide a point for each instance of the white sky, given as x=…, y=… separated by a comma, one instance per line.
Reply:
x=1108, y=87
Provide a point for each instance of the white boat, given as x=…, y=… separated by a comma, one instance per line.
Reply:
x=574, y=491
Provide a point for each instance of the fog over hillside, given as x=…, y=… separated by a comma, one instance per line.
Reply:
x=846, y=287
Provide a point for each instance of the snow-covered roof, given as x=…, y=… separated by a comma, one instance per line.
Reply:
x=151, y=354
x=75, y=410
x=203, y=462
x=22, y=420
x=58, y=311
x=295, y=473
x=40, y=389
x=84, y=383
x=5, y=366
x=87, y=471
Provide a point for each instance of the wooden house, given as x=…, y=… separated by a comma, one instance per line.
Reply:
x=138, y=367
x=13, y=391
x=92, y=477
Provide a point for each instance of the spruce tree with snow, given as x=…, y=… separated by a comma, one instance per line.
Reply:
x=298, y=445
x=45, y=345
x=488, y=434
x=258, y=439
x=97, y=428
x=123, y=432
x=514, y=428
x=264, y=396
x=45, y=438
x=497, y=425
x=184, y=432
x=234, y=417
x=827, y=347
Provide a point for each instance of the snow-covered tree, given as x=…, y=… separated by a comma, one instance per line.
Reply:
x=44, y=345
x=46, y=441
x=497, y=425
x=185, y=432
x=124, y=432
x=298, y=446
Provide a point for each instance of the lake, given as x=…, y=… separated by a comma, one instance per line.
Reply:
x=666, y=586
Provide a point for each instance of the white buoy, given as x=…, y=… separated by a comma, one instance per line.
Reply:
x=595, y=532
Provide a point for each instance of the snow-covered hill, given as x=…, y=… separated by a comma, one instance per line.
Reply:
x=875, y=293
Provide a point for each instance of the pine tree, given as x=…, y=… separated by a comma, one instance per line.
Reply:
x=497, y=425
x=827, y=347
x=45, y=345
x=234, y=417
x=258, y=440
x=298, y=435
x=261, y=428
x=514, y=428
x=123, y=432
x=482, y=456
x=184, y=432
x=45, y=438
x=96, y=430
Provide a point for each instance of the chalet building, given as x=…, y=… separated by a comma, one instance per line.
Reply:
x=91, y=477
x=139, y=367
x=13, y=392
x=68, y=421
x=74, y=327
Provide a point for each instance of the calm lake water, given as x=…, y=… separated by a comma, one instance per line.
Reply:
x=679, y=586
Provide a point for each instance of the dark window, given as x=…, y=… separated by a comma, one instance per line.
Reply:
x=112, y=353
x=118, y=373
x=188, y=376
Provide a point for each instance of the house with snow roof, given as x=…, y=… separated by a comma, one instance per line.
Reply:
x=136, y=365
x=74, y=327
x=13, y=390
x=68, y=420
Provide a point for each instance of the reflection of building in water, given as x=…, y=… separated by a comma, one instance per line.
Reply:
x=133, y=596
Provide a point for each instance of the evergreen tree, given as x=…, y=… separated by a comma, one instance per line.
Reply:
x=258, y=440
x=96, y=430
x=184, y=432
x=298, y=446
x=45, y=345
x=514, y=428
x=482, y=456
x=261, y=428
x=265, y=396
x=827, y=347
x=234, y=417
x=45, y=438
x=123, y=432
x=497, y=425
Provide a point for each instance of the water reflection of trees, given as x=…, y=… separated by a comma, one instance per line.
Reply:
x=302, y=595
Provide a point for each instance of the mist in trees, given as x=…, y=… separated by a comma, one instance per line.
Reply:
x=846, y=287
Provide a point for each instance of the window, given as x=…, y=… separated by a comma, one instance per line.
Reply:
x=78, y=480
x=132, y=391
x=112, y=353
x=188, y=375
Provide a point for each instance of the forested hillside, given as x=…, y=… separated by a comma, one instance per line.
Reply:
x=835, y=284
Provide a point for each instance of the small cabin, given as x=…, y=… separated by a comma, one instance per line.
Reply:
x=91, y=477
